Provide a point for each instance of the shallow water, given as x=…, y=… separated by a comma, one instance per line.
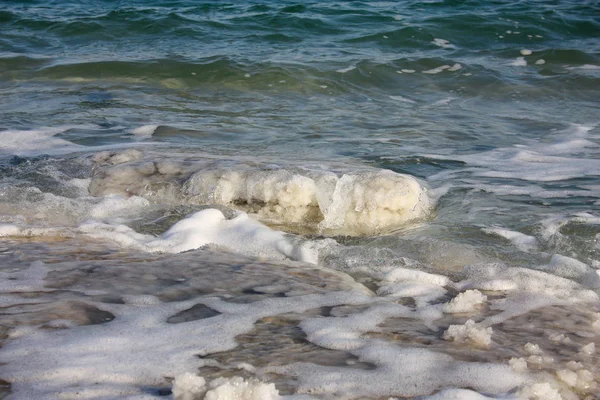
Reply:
x=343, y=200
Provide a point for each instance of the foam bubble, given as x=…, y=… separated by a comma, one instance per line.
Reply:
x=526, y=52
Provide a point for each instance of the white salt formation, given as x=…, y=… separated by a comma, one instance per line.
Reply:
x=192, y=387
x=469, y=332
x=467, y=301
x=355, y=203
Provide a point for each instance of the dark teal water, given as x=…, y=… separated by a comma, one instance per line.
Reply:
x=494, y=106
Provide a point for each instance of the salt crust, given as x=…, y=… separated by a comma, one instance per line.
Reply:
x=469, y=332
x=518, y=364
x=465, y=302
x=355, y=203
x=192, y=387
x=533, y=349
x=540, y=391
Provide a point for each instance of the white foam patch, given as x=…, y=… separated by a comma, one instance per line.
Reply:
x=585, y=67
x=347, y=69
x=437, y=70
x=402, y=99
x=443, y=43
x=499, y=277
x=114, y=205
x=444, y=101
x=30, y=279
x=139, y=348
x=571, y=155
x=193, y=387
x=422, y=293
x=519, y=62
x=520, y=240
x=400, y=371
x=405, y=274
x=461, y=394
x=33, y=142
x=240, y=234
x=571, y=268
x=144, y=131
x=526, y=52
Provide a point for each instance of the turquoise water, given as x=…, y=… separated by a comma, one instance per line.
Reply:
x=136, y=114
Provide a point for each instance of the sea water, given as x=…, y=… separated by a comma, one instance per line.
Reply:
x=299, y=200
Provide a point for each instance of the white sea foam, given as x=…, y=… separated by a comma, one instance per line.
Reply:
x=437, y=70
x=521, y=241
x=519, y=62
x=443, y=43
x=240, y=234
x=144, y=131
x=30, y=279
x=32, y=142
x=402, y=99
x=499, y=277
x=567, y=157
x=347, y=69
x=460, y=394
x=139, y=348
